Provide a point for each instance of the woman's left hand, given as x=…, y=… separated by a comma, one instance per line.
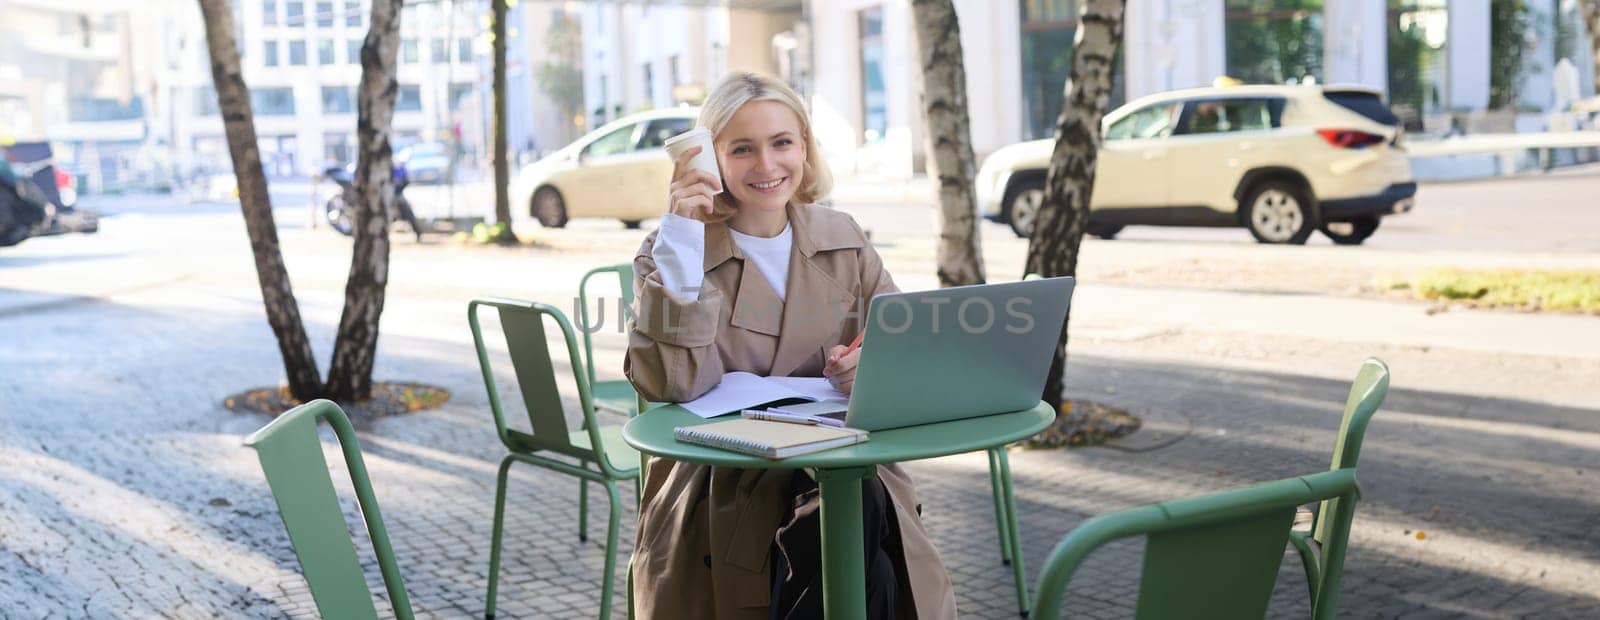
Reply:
x=841, y=371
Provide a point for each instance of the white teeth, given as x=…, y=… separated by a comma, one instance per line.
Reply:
x=767, y=185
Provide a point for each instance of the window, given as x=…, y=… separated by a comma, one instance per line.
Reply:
x=409, y=99
x=269, y=53
x=1228, y=115
x=1152, y=122
x=618, y=141
x=463, y=49
x=440, y=52
x=338, y=99
x=272, y=101
x=96, y=109
x=205, y=101
x=297, y=53
x=1418, y=41
x=352, y=13
x=1274, y=41
x=269, y=12
x=352, y=51
x=325, y=52
x=656, y=134
x=649, y=85
x=296, y=13
x=1047, y=29
x=324, y=14
x=874, y=96
x=458, y=92
x=338, y=148
x=408, y=51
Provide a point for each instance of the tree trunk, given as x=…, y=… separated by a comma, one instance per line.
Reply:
x=1053, y=250
x=238, y=121
x=950, y=160
x=502, y=166
x=1591, y=22
x=350, y=376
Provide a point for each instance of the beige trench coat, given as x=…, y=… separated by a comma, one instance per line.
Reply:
x=705, y=532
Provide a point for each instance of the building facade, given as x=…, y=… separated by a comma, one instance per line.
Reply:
x=74, y=72
x=1446, y=65
x=640, y=56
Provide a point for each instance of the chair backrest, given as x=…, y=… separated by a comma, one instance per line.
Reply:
x=624, y=273
x=523, y=325
x=1210, y=556
x=1335, y=516
x=291, y=457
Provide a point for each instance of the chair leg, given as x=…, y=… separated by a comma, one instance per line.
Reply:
x=1309, y=561
x=1001, y=519
x=494, y=539
x=1018, y=572
x=612, y=526
x=583, y=510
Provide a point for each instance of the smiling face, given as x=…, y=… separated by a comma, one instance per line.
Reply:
x=762, y=154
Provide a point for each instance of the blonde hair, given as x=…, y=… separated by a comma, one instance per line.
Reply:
x=741, y=87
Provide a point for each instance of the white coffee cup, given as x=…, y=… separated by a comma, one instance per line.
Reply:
x=705, y=160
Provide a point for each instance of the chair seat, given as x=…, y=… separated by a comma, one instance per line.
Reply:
x=617, y=451
x=614, y=396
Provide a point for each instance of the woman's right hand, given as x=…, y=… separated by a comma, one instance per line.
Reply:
x=692, y=188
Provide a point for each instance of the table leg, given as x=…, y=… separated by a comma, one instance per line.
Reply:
x=844, y=575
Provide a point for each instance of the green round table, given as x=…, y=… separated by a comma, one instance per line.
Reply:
x=839, y=473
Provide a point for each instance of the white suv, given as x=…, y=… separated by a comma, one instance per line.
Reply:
x=1281, y=161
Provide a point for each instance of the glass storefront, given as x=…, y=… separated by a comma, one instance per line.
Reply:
x=1048, y=27
x=1418, y=34
x=1274, y=41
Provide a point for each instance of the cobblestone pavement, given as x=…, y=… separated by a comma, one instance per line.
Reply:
x=125, y=491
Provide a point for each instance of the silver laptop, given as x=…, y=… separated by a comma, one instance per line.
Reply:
x=960, y=352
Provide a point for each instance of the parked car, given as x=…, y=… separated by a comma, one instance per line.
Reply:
x=425, y=163
x=1280, y=161
x=37, y=198
x=617, y=171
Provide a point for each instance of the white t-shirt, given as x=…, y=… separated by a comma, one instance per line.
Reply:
x=679, y=252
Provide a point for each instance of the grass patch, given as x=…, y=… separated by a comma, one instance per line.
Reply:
x=1558, y=291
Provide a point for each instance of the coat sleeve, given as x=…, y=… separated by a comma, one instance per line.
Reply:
x=672, y=351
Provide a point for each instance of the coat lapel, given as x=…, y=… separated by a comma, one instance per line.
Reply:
x=816, y=301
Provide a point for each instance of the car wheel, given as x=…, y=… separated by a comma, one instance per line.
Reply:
x=1104, y=231
x=1351, y=232
x=340, y=215
x=632, y=224
x=548, y=208
x=1022, y=208
x=1278, y=211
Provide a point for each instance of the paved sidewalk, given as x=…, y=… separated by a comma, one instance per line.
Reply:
x=125, y=492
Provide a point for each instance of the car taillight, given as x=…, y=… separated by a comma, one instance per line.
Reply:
x=1349, y=138
x=63, y=179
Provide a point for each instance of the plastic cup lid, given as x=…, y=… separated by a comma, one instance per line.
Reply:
x=687, y=135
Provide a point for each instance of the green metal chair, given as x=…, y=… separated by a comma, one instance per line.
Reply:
x=1005, y=516
x=1211, y=556
x=523, y=325
x=291, y=457
x=616, y=396
x=1328, y=535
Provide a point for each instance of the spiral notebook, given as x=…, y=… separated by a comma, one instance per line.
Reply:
x=773, y=440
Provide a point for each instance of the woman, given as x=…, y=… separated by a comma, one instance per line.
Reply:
x=747, y=273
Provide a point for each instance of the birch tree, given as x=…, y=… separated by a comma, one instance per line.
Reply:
x=356, y=348
x=238, y=123
x=350, y=374
x=949, y=141
x=1053, y=249
x=502, y=150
